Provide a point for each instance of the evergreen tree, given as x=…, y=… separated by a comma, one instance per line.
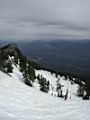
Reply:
x=31, y=72
x=26, y=76
x=44, y=84
x=9, y=67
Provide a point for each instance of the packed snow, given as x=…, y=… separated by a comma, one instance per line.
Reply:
x=21, y=102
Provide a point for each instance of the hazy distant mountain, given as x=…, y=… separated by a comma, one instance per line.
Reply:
x=64, y=56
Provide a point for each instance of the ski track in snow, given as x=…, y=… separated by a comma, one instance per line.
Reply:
x=20, y=102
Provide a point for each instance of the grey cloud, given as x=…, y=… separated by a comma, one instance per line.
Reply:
x=44, y=19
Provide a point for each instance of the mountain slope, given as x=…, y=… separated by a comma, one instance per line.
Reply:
x=11, y=60
x=54, y=81
x=20, y=102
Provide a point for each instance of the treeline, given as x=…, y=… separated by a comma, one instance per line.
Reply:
x=9, y=55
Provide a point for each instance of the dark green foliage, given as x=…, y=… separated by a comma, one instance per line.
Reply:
x=26, y=67
x=83, y=92
x=59, y=89
x=27, y=80
x=29, y=74
x=86, y=97
x=66, y=77
x=31, y=71
x=9, y=67
x=5, y=53
x=5, y=64
x=1, y=62
x=44, y=84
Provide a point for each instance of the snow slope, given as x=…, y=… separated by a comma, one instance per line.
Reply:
x=72, y=88
x=20, y=102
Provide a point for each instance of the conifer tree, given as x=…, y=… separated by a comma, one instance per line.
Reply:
x=44, y=84
x=9, y=67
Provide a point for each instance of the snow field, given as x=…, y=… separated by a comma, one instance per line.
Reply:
x=21, y=102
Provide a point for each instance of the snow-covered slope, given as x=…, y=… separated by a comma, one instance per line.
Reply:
x=21, y=102
x=66, y=84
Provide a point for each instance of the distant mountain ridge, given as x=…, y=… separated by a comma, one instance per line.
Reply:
x=64, y=56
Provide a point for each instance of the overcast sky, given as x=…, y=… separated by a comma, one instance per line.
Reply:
x=44, y=19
